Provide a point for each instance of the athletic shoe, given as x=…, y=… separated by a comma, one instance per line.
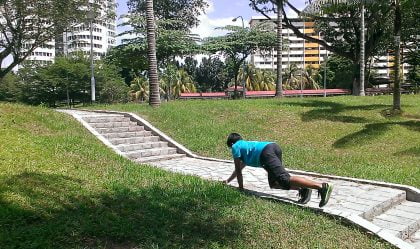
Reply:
x=325, y=193
x=305, y=195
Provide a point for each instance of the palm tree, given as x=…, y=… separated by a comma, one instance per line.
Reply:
x=257, y=79
x=290, y=79
x=397, y=54
x=279, y=87
x=151, y=42
x=247, y=74
x=139, y=89
x=182, y=83
x=311, y=78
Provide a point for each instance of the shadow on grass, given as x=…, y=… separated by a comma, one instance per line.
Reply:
x=332, y=111
x=55, y=212
x=415, y=151
x=371, y=131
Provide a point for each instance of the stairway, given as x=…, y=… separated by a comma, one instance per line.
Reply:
x=133, y=140
x=402, y=220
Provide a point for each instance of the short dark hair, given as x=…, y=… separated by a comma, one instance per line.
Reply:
x=233, y=138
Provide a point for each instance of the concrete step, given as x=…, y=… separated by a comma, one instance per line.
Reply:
x=106, y=119
x=150, y=152
x=158, y=158
x=402, y=220
x=128, y=134
x=366, y=201
x=142, y=146
x=394, y=198
x=120, y=129
x=134, y=140
x=112, y=124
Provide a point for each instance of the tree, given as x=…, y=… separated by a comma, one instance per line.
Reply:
x=29, y=24
x=173, y=21
x=9, y=90
x=257, y=79
x=410, y=38
x=340, y=28
x=211, y=75
x=139, y=89
x=68, y=79
x=183, y=14
x=151, y=44
x=340, y=72
x=279, y=48
x=276, y=7
x=190, y=65
x=238, y=43
x=111, y=86
x=397, y=58
x=295, y=78
x=290, y=79
x=130, y=59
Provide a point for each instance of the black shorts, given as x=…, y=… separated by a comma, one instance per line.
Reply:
x=271, y=160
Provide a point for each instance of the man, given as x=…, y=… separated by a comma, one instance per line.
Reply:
x=268, y=155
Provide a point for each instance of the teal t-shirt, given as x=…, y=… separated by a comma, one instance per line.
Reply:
x=249, y=151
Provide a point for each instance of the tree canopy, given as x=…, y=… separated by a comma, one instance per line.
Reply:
x=183, y=13
x=239, y=43
x=29, y=24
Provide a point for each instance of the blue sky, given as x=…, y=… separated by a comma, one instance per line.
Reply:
x=220, y=13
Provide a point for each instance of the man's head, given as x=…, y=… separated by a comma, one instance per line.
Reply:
x=232, y=139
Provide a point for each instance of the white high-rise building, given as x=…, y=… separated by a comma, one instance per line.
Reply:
x=78, y=38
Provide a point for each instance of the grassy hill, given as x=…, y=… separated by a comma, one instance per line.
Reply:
x=61, y=188
x=347, y=136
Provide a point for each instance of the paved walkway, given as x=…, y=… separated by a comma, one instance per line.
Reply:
x=383, y=210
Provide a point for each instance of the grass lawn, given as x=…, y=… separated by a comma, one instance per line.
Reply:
x=61, y=188
x=347, y=136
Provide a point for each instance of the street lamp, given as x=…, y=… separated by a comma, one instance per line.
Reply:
x=243, y=65
x=91, y=16
x=236, y=18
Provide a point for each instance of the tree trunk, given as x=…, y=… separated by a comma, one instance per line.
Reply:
x=362, y=50
x=279, y=83
x=356, y=79
x=235, y=91
x=154, y=99
x=397, y=48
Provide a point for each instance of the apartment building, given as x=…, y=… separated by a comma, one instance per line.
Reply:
x=78, y=37
x=297, y=51
x=304, y=53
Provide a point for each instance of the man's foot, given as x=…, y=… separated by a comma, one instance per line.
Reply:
x=325, y=193
x=305, y=195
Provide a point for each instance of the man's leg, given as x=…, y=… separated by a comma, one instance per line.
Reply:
x=297, y=182
x=302, y=183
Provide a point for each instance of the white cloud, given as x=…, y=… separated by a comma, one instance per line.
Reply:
x=208, y=26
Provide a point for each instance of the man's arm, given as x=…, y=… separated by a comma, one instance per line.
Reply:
x=239, y=165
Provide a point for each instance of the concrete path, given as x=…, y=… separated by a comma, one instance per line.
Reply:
x=390, y=211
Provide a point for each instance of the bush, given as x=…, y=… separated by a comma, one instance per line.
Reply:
x=9, y=88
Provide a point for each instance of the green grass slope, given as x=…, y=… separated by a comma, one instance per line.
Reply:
x=61, y=188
